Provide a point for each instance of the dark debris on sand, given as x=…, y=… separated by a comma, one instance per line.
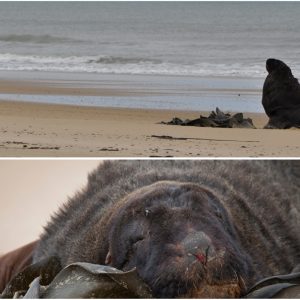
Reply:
x=215, y=119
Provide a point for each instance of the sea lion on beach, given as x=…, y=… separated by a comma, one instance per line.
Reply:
x=281, y=96
x=191, y=228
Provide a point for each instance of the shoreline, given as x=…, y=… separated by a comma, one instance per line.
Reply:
x=182, y=93
x=43, y=130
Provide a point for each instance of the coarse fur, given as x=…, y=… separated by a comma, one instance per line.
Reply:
x=281, y=96
x=243, y=215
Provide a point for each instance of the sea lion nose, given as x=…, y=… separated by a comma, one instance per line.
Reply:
x=199, y=247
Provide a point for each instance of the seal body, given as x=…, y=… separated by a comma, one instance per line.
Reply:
x=191, y=228
x=281, y=96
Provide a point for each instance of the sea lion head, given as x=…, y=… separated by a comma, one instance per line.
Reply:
x=277, y=66
x=180, y=239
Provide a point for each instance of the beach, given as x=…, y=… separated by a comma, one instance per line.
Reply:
x=31, y=129
x=96, y=79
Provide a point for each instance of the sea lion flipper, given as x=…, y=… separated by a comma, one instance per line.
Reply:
x=46, y=269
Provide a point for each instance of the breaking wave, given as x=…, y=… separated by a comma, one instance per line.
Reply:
x=124, y=65
x=123, y=60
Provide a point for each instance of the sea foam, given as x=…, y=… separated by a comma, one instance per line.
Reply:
x=124, y=65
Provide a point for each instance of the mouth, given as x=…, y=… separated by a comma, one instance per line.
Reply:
x=226, y=290
x=218, y=285
x=202, y=290
x=201, y=282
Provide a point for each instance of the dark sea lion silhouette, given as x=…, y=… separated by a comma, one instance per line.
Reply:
x=281, y=96
x=191, y=228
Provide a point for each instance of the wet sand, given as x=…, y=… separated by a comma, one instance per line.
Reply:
x=39, y=130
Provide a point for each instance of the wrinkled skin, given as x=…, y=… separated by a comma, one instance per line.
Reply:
x=180, y=241
x=281, y=96
x=191, y=228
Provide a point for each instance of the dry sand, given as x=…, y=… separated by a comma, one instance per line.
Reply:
x=29, y=129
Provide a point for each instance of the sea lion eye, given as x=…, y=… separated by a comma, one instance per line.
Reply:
x=147, y=212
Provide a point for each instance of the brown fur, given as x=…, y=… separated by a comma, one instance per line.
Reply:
x=151, y=214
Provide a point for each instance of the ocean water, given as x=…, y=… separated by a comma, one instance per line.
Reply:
x=227, y=39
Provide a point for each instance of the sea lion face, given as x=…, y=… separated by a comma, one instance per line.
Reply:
x=180, y=239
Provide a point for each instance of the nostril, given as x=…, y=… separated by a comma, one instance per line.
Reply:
x=201, y=257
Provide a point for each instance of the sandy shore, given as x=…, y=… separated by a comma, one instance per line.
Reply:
x=29, y=129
